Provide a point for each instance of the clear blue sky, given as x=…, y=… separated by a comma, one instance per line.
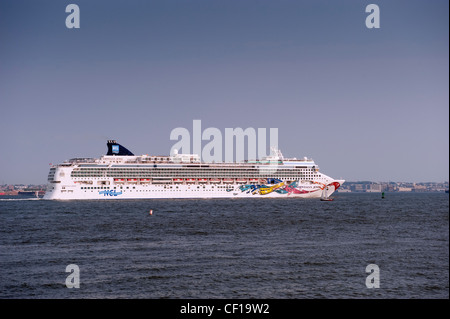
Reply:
x=365, y=104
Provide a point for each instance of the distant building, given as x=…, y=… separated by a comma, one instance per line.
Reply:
x=374, y=188
x=420, y=188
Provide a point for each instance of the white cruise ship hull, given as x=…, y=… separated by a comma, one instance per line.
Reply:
x=125, y=176
x=133, y=191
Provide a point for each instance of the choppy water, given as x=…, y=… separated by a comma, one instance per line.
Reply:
x=246, y=248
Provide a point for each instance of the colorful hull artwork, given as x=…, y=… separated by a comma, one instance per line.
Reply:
x=307, y=187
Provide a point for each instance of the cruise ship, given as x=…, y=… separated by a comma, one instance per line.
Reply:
x=122, y=175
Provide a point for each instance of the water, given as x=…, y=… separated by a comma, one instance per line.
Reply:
x=242, y=248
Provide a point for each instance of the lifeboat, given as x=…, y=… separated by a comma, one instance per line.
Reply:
x=241, y=181
x=227, y=180
x=190, y=180
x=214, y=180
x=202, y=180
x=178, y=180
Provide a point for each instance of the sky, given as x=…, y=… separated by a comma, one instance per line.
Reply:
x=365, y=104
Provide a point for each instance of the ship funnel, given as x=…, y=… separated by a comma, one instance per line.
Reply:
x=115, y=148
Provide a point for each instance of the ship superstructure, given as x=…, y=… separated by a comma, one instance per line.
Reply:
x=122, y=175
